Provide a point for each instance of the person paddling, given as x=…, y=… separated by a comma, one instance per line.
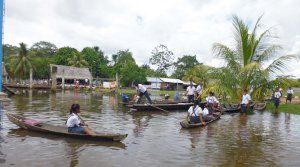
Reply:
x=74, y=124
x=196, y=114
x=142, y=90
x=277, y=96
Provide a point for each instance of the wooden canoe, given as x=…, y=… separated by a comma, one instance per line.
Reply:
x=234, y=108
x=185, y=123
x=168, y=107
x=61, y=130
x=260, y=106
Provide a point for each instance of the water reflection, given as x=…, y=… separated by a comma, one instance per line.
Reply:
x=154, y=139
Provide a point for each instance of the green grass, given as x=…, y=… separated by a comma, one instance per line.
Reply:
x=287, y=108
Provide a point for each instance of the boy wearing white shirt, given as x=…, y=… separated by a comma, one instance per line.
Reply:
x=277, y=96
x=190, y=92
x=290, y=93
x=199, y=91
x=142, y=90
x=246, y=100
x=196, y=114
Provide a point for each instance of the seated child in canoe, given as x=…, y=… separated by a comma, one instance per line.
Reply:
x=74, y=124
x=197, y=115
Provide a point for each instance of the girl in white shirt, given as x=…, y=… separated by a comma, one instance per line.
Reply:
x=290, y=93
x=74, y=124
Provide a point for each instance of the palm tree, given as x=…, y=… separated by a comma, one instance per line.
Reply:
x=23, y=64
x=246, y=62
x=77, y=60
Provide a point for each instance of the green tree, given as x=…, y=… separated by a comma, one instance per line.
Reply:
x=10, y=50
x=23, y=63
x=199, y=73
x=63, y=54
x=77, y=60
x=44, y=49
x=97, y=61
x=162, y=57
x=245, y=63
x=183, y=64
x=43, y=66
x=130, y=73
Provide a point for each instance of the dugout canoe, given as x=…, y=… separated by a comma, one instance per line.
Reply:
x=37, y=126
x=168, y=107
x=185, y=123
x=260, y=106
x=234, y=108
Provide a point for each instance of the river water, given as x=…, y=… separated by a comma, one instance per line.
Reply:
x=154, y=139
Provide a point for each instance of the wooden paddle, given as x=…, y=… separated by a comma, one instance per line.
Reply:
x=158, y=108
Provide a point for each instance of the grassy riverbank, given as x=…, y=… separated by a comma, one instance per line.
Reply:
x=287, y=108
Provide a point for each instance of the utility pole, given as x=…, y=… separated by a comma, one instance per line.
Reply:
x=1, y=48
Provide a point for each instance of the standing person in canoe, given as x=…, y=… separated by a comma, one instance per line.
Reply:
x=290, y=93
x=74, y=124
x=190, y=92
x=277, y=96
x=197, y=115
x=199, y=91
x=246, y=101
x=142, y=90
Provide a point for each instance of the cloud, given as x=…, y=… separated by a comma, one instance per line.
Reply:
x=185, y=26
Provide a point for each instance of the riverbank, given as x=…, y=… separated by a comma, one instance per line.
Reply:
x=293, y=108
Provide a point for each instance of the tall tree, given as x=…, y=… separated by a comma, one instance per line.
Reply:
x=44, y=49
x=130, y=73
x=162, y=57
x=245, y=63
x=183, y=64
x=63, y=54
x=24, y=63
x=152, y=73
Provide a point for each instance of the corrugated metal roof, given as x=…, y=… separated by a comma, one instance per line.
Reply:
x=188, y=83
x=171, y=80
x=153, y=79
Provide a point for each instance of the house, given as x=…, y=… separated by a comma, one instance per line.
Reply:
x=68, y=74
x=153, y=82
x=171, y=83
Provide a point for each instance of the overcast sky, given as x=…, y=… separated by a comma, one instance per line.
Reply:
x=186, y=27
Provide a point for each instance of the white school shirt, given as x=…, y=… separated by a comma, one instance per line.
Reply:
x=290, y=91
x=277, y=94
x=141, y=88
x=194, y=111
x=246, y=98
x=211, y=99
x=73, y=120
x=190, y=90
x=205, y=111
x=199, y=89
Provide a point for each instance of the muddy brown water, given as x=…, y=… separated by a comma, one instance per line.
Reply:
x=154, y=139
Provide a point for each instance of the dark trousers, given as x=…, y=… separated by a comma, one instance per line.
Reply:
x=190, y=98
x=146, y=95
x=276, y=102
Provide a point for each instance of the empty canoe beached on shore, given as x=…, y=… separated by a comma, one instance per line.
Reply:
x=260, y=106
x=37, y=126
